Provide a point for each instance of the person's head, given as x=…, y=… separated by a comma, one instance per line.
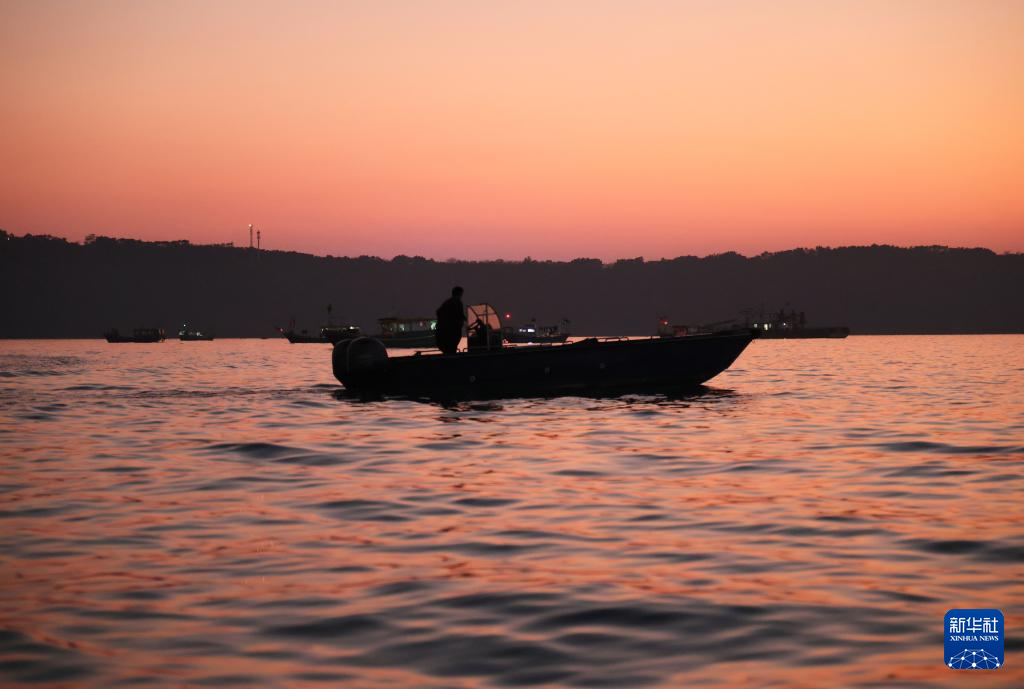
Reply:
x=457, y=291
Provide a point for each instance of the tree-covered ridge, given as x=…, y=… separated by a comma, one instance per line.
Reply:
x=52, y=287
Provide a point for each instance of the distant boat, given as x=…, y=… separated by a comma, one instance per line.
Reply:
x=793, y=326
x=187, y=335
x=667, y=329
x=531, y=333
x=138, y=335
x=329, y=334
x=488, y=369
x=304, y=337
x=337, y=333
x=408, y=332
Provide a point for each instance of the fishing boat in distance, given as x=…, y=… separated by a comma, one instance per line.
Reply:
x=488, y=369
x=531, y=333
x=793, y=326
x=337, y=333
x=329, y=334
x=412, y=333
x=304, y=337
x=144, y=335
x=667, y=329
x=193, y=335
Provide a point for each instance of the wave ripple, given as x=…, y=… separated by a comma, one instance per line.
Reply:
x=217, y=516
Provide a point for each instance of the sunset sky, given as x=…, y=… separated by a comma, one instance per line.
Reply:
x=499, y=130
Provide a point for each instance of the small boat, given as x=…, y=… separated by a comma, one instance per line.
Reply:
x=337, y=333
x=303, y=337
x=666, y=329
x=187, y=335
x=487, y=369
x=411, y=333
x=531, y=333
x=138, y=335
x=793, y=326
x=329, y=334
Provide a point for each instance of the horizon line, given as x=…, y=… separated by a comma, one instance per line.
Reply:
x=91, y=238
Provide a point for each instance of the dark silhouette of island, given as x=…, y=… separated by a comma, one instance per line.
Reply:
x=51, y=287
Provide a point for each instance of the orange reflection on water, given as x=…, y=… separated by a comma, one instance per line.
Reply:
x=215, y=514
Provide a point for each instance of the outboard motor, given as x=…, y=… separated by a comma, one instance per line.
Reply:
x=360, y=362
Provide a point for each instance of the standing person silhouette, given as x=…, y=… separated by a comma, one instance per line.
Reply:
x=450, y=317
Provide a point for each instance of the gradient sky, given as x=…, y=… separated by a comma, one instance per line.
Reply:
x=551, y=129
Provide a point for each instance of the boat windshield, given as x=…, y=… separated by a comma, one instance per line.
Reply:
x=486, y=314
x=483, y=327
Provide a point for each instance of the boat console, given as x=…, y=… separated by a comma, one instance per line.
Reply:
x=483, y=332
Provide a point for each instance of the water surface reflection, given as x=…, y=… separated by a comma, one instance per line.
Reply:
x=213, y=514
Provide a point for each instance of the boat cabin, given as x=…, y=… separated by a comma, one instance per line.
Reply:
x=403, y=327
x=417, y=333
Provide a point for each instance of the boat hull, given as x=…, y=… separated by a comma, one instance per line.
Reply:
x=299, y=338
x=409, y=341
x=335, y=334
x=586, y=366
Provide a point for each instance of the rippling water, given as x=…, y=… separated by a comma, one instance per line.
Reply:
x=212, y=514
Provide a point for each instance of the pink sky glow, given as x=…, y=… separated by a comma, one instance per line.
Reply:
x=501, y=130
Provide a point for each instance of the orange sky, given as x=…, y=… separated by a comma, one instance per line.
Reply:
x=551, y=129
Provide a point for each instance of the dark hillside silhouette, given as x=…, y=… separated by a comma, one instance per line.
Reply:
x=54, y=288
